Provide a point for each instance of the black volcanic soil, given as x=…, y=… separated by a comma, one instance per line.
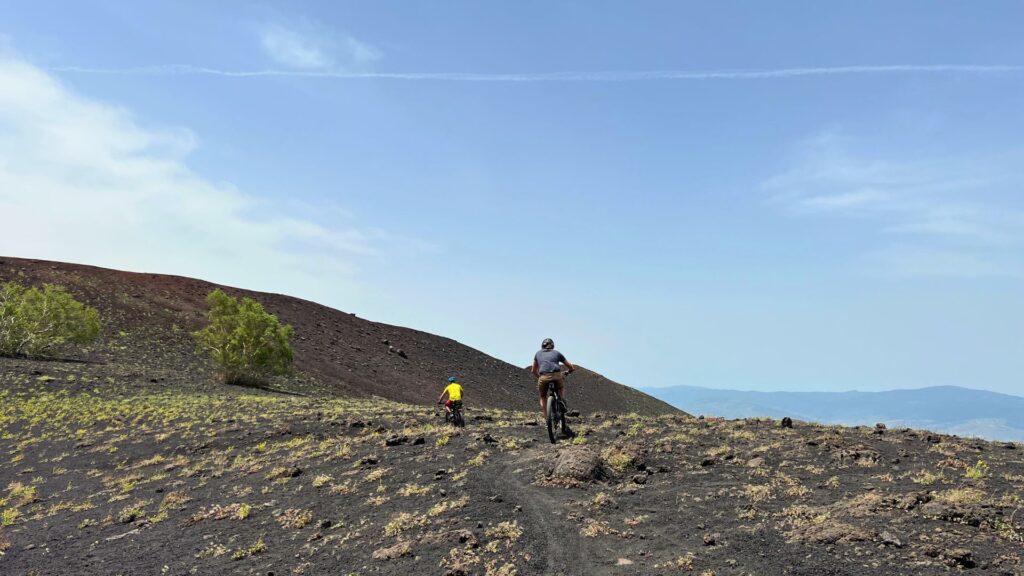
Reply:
x=148, y=318
x=101, y=478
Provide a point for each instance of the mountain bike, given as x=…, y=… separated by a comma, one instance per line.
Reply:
x=556, y=410
x=455, y=417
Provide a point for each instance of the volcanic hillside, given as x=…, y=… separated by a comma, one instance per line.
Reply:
x=135, y=463
x=148, y=318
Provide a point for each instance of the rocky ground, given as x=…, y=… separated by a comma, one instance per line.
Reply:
x=104, y=474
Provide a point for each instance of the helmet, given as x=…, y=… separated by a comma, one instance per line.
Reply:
x=547, y=344
x=451, y=378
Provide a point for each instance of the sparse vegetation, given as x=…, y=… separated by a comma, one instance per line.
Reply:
x=979, y=471
x=257, y=547
x=505, y=530
x=295, y=518
x=8, y=516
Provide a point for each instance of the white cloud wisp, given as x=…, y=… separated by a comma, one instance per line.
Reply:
x=310, y=51
x=83, y=181
x=945, y=218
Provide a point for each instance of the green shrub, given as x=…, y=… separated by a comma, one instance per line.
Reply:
x=41, y=322
x=979, y=471
x=245, y=341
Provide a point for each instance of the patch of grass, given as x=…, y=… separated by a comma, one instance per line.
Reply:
x=295, y=518
x=718, y=451
x=19, y=494
x=961, y=496
x=243, y=511
x=258, y=547
x=322, y=479
x=595, y=528
x=376, y=475
x=446, y=505
x=157, y=459
x=508, y=444
x=635, y=520
x=979, y=471
x=616, y=459
x=800, y=516
x=343, y=488
x=928, y=478
x=479, y=459
x=505, y=530
x=8, y=516
x=758, y=492
x=1007, y=530
x=684, y=562
x=400, y=523
x=174, y=500
x=460, y=561
x=131, y=513
x=492, y=569
x=414, y=490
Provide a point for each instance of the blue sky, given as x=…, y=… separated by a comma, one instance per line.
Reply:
x=807, y=196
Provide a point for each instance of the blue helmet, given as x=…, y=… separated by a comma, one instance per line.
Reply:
x=451, y=378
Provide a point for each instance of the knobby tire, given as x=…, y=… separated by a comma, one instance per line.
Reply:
x=552, y=417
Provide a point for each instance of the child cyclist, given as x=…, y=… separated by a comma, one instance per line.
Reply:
x=454, y=392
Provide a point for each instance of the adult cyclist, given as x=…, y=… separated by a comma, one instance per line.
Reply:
x=454, y=392
x=547, y=367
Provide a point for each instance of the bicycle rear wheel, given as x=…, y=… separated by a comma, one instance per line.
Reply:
x=552, y=417
x=460, y=421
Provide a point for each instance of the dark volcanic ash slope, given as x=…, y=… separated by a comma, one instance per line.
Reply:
x=148, y=317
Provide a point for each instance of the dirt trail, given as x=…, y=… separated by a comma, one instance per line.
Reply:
x=555, y=538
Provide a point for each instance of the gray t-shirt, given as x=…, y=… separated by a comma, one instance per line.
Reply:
x=548, y=361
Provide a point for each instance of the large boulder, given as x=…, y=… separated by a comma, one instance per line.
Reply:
x=578, y=463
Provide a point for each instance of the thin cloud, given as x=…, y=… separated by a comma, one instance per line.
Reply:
x=308, y=49
x=290, y=48
x=83, y=181
x=943, y=215
x=570, y=76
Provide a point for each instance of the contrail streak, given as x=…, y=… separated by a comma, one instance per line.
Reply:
x=572, y=76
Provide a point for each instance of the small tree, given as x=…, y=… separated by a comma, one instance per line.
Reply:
x=40, y=323
x=245, y=341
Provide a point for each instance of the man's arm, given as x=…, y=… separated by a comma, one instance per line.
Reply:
x=535, y=369
x=441, y=396
x=568, y=364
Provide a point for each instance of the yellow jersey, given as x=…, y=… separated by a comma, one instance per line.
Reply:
x=454, y=391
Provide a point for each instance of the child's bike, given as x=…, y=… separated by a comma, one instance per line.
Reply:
x=454, y=417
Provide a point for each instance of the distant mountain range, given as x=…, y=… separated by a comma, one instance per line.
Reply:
x=948, y=409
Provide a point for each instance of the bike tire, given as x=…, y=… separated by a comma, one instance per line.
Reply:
x=552, y=417
x=460, y=421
